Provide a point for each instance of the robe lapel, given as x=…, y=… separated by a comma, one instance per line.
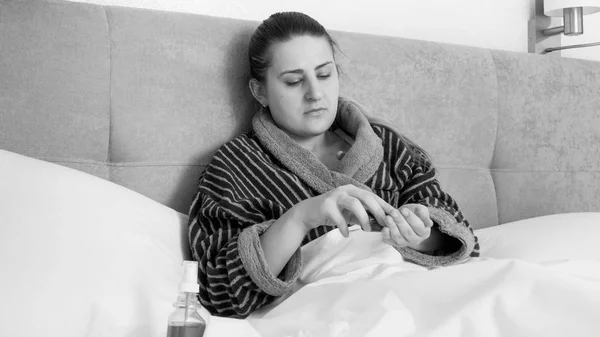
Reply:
x=357, y=166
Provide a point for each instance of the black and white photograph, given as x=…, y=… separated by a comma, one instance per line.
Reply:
x=299, y=168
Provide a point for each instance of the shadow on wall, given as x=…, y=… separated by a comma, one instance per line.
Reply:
x=237, y=75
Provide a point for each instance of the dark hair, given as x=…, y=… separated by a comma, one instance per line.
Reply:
x=281, y=27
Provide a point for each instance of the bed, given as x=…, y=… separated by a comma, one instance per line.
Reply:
x=109, y=114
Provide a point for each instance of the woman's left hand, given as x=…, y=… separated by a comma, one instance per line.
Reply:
x=409, y=226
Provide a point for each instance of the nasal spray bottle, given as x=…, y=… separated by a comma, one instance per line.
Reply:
x=185, y=321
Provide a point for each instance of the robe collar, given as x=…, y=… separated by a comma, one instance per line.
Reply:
x=358, y=165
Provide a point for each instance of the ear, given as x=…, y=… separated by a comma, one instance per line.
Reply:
x=258, y=91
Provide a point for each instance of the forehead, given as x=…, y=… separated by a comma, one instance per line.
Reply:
x=300, y=52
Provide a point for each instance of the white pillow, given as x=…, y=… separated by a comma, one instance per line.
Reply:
x=572, y=236
x=81, y=256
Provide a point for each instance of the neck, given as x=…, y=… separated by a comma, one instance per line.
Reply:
x=312, y=144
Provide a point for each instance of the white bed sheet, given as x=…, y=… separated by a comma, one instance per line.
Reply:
x=362, y=287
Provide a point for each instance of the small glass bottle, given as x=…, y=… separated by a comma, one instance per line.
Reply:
x=185, y=321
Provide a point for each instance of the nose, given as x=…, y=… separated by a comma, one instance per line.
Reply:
x=313, y=90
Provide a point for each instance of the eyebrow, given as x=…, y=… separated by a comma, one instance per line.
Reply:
x=300, y=71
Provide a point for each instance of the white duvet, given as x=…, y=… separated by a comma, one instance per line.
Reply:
x=362, y=287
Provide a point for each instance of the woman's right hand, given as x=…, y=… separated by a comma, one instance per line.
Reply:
x=343, y=205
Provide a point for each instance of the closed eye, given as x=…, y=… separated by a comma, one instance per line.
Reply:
x=297, y=82
x=293, y=84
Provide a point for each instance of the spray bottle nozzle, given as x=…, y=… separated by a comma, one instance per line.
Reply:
x=189, y=279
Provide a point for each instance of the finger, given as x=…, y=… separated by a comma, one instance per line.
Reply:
x=387, y=208
x=373, y=203
x=352, y=220
x=415, y=223
x=385, y=234
x=374, y=224
x=343, y=227
x=395, y=233
x=363, y=194
x=406, y=229
x=374, y=207
x=354, y=209
x=423, y=214
x=337, y=218
x=397, y=216
x=386, y=238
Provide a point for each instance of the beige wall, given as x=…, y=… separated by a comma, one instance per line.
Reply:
x=482, y=23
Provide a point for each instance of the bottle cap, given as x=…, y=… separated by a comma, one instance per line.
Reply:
x=189, y=279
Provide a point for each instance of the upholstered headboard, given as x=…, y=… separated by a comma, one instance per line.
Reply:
x=143, y=98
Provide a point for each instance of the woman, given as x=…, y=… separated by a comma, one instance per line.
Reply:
x=312, y=163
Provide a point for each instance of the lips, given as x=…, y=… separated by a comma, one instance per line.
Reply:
x=315, y=110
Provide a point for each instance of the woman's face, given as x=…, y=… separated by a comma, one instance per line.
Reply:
x=302, y=87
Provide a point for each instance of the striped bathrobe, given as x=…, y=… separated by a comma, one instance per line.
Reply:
x=255, y=178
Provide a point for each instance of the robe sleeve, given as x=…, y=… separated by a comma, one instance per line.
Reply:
x=420, y=186
x=224, y=231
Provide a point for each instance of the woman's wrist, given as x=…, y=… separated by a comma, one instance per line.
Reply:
x=291, y=223
x=281, y=240
x=294, y=219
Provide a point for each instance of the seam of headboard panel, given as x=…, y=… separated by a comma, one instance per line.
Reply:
x=497, y=124
x=110, y=112
x=102, y=163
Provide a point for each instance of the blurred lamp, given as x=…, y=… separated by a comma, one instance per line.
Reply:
x=572, y=12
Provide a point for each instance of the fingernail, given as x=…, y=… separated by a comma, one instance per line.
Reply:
x=405, y=212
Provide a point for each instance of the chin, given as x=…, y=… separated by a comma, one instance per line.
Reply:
x=317, y=131
x=325, y=117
